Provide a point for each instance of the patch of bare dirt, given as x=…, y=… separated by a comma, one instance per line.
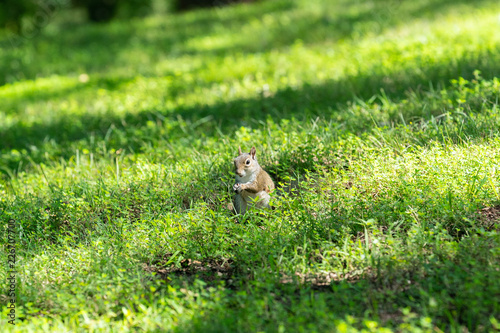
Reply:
x=209, y=270
x=324, y=279
x=489, y=217
x=216, y=270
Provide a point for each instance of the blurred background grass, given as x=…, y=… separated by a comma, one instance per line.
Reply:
x=74, y=81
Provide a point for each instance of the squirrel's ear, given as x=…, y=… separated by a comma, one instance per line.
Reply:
x=239, y=151
x=252, y=152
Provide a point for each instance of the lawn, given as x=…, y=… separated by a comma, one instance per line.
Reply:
x=379, y=122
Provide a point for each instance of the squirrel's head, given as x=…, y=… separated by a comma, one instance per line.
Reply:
x=245, y=163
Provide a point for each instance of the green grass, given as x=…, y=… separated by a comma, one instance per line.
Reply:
x=378, y=121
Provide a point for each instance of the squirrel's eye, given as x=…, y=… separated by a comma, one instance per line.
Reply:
x=247, y=162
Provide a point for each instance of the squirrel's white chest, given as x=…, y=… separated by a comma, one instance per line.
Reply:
x=247, y=178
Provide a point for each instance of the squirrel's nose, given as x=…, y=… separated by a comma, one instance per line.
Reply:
x=240, y=174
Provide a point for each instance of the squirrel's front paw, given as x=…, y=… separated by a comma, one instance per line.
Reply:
x=237, y=187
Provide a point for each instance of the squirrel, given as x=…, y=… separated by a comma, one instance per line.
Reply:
x=253, y=184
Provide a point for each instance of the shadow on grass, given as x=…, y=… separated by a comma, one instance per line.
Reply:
x=455, y=288
x=94, y=49
x=326, y=100
x=97, y=48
